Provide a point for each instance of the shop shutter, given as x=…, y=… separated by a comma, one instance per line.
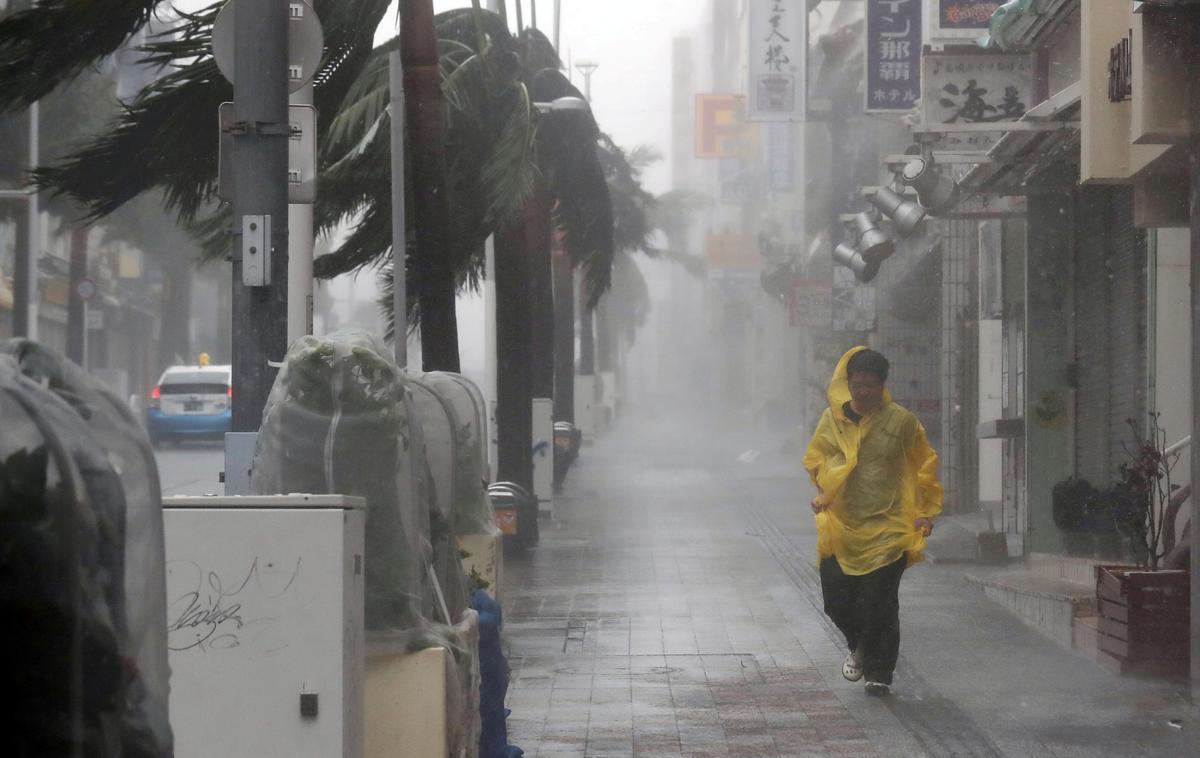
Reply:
x=1110, y=318
x=1126, y=330
x=1091, y=337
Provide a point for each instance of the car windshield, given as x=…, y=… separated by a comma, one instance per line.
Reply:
x=195, y=377
x=194, y=383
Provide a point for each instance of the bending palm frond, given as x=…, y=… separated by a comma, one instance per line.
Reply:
x=53, y=42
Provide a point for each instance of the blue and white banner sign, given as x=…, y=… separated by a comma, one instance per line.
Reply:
x=893, y=55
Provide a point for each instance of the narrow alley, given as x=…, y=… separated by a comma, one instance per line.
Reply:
x=672, y=608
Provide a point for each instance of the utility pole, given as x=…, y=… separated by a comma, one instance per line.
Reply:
x=1194, y=158
x=557, y=25
x=399, y=232
x=300, y=252
x=260, y=208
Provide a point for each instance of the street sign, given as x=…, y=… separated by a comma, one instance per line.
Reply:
x=728, y=251
x=86, y=289
x=976, y=90
x=94, y=319
x=306, y=42
x=853, y=304
x=810, y=303
x=721, y=128
x=893, y=56
x=302, y=154
x=778, y=56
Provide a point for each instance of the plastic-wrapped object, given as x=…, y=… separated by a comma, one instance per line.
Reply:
x=337, y=421
x=472, y=508
x=128, y=448
x=439, y=435
x=69, y=653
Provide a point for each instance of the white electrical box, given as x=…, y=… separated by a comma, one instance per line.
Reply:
x=543, y=453
x=265, y=625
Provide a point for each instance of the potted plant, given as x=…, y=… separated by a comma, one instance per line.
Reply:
x=1144, y=611
x=1069, y=504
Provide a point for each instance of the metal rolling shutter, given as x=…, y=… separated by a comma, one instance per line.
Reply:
x=1110, y=317
x=1126, y=330
x=1091, y=337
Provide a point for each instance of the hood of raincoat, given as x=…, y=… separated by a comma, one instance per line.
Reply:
x=839, y=386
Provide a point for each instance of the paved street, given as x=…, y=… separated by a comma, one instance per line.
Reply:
x=191, y=468
x=672, y=609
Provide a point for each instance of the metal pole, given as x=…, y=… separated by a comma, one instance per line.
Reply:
x=260, y=175
x=399, y=234
x=520, y=20
x=557, y=24
x=300, y=252
x=1194, y=114
x=533, y=14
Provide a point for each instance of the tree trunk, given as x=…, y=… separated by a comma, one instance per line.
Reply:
x=539, y=231
x=426, y=119
x=564, y=332
x=174, y=337
x=514, y=348
x=606, y=337
x=587, y=334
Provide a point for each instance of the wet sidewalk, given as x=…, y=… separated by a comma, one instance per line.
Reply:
x=672, y=609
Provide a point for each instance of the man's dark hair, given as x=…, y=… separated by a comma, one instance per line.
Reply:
x=868, y=362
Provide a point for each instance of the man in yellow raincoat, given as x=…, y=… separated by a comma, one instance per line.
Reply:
x=878, y=493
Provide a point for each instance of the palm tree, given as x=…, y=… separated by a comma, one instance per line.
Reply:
x=506, y=169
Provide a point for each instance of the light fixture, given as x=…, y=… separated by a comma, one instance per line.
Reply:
x=905, y=214
x=564, y=105
x=937, y=194
x=845, y=255
x=874, y=244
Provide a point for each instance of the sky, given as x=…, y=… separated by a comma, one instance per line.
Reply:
x=631, y=41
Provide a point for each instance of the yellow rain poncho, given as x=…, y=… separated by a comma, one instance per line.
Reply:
x=876, y=478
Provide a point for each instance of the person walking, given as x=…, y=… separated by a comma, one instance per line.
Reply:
x=877, y=496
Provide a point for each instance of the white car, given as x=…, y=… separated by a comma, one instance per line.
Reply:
x=191, y=402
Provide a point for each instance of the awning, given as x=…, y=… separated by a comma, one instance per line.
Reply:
x=1021, y=155
x=1018, y=24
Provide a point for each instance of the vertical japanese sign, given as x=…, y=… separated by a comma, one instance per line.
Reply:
x=965, y=14
x=778, y=49
x=893, y=55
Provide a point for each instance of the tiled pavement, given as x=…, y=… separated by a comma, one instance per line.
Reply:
x=670, y=611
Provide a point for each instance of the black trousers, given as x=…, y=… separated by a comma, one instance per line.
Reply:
x=867, y=610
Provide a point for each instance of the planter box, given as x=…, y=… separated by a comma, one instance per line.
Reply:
x=1143, y=620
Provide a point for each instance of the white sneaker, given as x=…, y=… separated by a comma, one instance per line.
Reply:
x=852, y=668
x=878, y=688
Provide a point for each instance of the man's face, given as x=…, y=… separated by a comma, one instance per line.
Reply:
x=866, y=392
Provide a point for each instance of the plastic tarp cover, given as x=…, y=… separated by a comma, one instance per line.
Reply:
x=439, y=438
x=472, y=507
x=82, y=590
x=337, y=422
